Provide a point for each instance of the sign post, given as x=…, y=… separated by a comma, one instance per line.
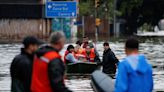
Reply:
x=61, y=9
x=61, y=12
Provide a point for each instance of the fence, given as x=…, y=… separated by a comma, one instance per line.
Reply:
x=17, y=29
x=90, y=27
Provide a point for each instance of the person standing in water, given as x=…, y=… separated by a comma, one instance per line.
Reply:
x=110, y=61
x=48, y=68
x=134, y=72
x=21, y=66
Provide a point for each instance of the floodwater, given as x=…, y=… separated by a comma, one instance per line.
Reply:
x=154, y=52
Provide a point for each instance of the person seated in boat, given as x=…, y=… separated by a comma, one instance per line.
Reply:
x=92, y=43
x=78, y=49
x=79, y=43
x=78, y=53
x=69, y=56
x=85, y=42
x=93, y=46
x=90, y=54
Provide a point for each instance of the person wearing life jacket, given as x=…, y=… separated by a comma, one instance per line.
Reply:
x=48, y=67
x=85, y=42
x=78, y=53
x=69, y=56
x=78, y=49
x=90, y=54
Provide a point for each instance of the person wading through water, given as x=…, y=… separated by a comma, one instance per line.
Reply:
x=21, y=66
x=134, y=72
x=48, y=68
x=110, y=61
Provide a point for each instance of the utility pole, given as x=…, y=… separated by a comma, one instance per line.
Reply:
x=114, y=18
x=96, y=26
x=107, y=14
x=83, y=25
x=97, y=4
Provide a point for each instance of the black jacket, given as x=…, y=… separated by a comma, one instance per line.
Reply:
x=21, y=71
x=109, y=62
x=56, y=70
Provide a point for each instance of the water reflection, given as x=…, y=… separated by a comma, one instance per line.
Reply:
x=154, y=52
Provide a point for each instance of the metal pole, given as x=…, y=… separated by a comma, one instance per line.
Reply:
x=96, y=33
x=114, y=19
x=96, y=27
x=83, y=26
x=62, y=25
x=107, y=17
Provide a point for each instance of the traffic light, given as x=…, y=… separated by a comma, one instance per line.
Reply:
x=97, y=3
x=98, y=21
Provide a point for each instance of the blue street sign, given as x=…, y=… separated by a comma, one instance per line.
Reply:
x=61, y=9
x=79, y=23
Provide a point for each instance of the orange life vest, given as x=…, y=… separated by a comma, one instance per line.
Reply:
x=80, y=51
x=40, y=79
x=91, y=56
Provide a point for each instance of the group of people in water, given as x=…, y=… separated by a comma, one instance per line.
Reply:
x=40, y=68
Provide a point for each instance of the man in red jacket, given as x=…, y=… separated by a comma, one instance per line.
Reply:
x=48, y=68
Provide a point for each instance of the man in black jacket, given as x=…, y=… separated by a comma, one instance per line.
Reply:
x=109, y=60
x=49, y=69
x=21, y=66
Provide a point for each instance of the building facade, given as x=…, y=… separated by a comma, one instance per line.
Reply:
x=19, y=18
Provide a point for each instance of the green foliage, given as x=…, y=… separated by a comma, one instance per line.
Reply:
x=86, y=7
x=146, y=27
x=127, y=6
x=106, y=9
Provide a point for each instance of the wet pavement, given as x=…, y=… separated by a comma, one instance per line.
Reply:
x=154, y=52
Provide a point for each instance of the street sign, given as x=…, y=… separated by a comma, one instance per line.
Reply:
x=61, y=9
x=78, y=23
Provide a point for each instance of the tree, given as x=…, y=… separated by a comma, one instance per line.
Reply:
x=130, y=11
x=86, y=7
x=134, y=12
x=138, y=12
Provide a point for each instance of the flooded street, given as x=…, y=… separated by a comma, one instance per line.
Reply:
x=154, y=52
